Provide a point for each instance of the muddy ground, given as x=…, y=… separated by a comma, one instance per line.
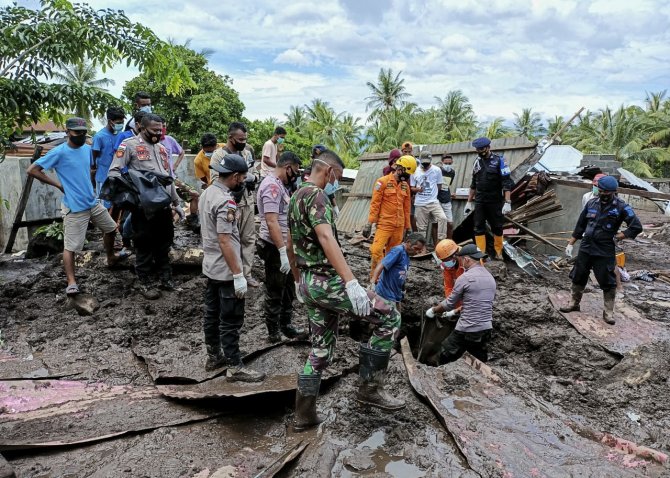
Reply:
x=534, y=349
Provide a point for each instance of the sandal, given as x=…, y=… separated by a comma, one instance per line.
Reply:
x=72, y=289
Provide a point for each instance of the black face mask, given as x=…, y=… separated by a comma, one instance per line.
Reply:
x=482, y=154
x=155, y=138
x=292, y=178
x=404, y=177
x=78, y=140
x=239, y=146
x=606, y=198
x=238, y=189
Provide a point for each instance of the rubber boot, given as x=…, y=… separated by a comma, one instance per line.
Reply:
x=481, y=243
x=290, y=331
x=577, y=293
x=372, y=369
x=305, y=402
x=214, y=359
x=608, y=312
x=498, y=246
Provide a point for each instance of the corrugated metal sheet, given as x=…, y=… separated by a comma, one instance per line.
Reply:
x=559, y=157
x=354, y=214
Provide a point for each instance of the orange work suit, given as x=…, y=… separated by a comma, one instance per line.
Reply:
x=450, y=276
x=389, y=209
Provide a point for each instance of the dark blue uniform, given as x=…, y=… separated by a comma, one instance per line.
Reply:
x=596, y=227
x=490, y=179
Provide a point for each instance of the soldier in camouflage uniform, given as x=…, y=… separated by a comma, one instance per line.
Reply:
x=326, y=285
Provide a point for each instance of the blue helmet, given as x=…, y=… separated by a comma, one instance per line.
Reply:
x=482, y=142
x=608, y=183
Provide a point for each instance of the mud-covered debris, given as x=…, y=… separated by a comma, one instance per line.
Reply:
x=6, y=470
x=84, y=304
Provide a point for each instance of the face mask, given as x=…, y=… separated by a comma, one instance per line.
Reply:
x=239, y=146
x=595, y=190
x=331, y=188
x=118, y=127
x=238, y=188
x=292, y=178
x=280, y=140
x=449, y=264
x=209, y=155
x=155, y=138
x=606, y=198
x=78, y=140
x=146, y=109
x=425, y=166
x=482, y=154
x=447, y=168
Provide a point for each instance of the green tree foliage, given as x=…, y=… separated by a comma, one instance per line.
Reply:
x=82, y=75
x=529, y=124
x=35, y=43
x=387, y=94
x=495, y=129
x=457, y=116
x=210, y=104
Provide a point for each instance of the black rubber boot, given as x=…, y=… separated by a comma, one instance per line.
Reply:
x=372, y=369
x=577, y=293
x=293, y=332
x=608, y=312
x=305, y=402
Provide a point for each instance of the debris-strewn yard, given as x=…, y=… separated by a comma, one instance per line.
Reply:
x=123, y=392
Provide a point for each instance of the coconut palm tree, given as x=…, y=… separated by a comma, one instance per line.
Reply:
x=82, y=75
x=654, y=101
x=456, y=115
x=324, y=122
x=529, y=124
x=388, y=93
x=495, y=129
x=296, y=118
x=555, y=124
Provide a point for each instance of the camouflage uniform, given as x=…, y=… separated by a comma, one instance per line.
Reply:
x=323, y=290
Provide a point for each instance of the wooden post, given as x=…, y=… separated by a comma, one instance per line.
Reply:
x=23, y=201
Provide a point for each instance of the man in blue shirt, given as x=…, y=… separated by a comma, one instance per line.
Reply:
x=72, y=163
x=103, y=147
x=391, y=273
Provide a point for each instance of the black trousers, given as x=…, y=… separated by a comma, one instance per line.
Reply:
x=603, y=268
x=153, y=239
x=476, y=343
x=224, y=317
x=279, y=288
x=491, y=212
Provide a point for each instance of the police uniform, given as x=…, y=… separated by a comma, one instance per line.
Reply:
x=490, y=179
x=245, y=204
x=153, y=237
x=224, y=312
x=596, y=227
x=390, y=210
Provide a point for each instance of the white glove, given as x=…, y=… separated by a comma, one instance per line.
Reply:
x=240, y=284
x=283, y=257
x=359, y=298
x=298, y=294
x=430, y=314
x=450, y=314
x=469, y=207
x=568, y=250
x=180, y=212
x=507, y=207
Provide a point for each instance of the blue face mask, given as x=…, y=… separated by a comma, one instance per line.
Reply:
x=146, y=109
x=331, y=188
x=118, y=127
x=595, y=190
x=448, y=264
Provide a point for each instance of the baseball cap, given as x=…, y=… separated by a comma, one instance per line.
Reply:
x=76, y=124
x=230, y=163
x=471, y=251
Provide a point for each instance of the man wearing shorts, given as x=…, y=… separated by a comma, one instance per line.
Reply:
x=72, y=163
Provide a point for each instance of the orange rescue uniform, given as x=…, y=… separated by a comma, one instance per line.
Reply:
x=389, y=209
x=450, y=276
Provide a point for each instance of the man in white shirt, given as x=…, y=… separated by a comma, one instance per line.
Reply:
x=426, y=184
x=270, y=152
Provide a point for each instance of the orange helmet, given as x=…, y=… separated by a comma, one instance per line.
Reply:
x=446, y=248
x=407, y=162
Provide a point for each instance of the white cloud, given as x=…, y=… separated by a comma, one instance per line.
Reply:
x=292, y=57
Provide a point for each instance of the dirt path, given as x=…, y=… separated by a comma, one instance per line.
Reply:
x=534, y=350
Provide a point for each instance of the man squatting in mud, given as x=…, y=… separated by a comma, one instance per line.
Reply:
x=327, y=287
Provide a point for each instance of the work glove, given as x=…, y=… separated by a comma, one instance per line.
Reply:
x=283, y=258
x=367, y=230
x=298, y=294
x=358, y=296
x=469, y=207
x=240, y=284
x=180, y=212
x=568, y=250
x=507, y=207
x=451, y=314
x=430, y=314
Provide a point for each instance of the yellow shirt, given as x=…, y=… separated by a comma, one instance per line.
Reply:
x=201, y=163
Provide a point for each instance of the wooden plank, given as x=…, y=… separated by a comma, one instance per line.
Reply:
x=535, y=235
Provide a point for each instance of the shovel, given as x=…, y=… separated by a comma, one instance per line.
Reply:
x=522, y=259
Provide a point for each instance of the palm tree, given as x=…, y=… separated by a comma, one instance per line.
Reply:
x=324, y=122
x=654, y=101
x=528, y=124
x=82, y=75
x=554, y=124
x=349, y=139
x=387, y=94
x=457, y=116
x=296, y=118
x=495, y=129
x=391, y=128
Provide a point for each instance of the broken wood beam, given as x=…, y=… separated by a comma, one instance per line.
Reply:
x=535, y=235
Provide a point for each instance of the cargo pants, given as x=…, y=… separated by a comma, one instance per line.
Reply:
x=385, y=239
x=326, y=297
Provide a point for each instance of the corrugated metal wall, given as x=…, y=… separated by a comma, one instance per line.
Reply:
x=354, y=214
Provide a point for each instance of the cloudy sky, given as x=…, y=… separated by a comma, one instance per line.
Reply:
x=553, y=56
